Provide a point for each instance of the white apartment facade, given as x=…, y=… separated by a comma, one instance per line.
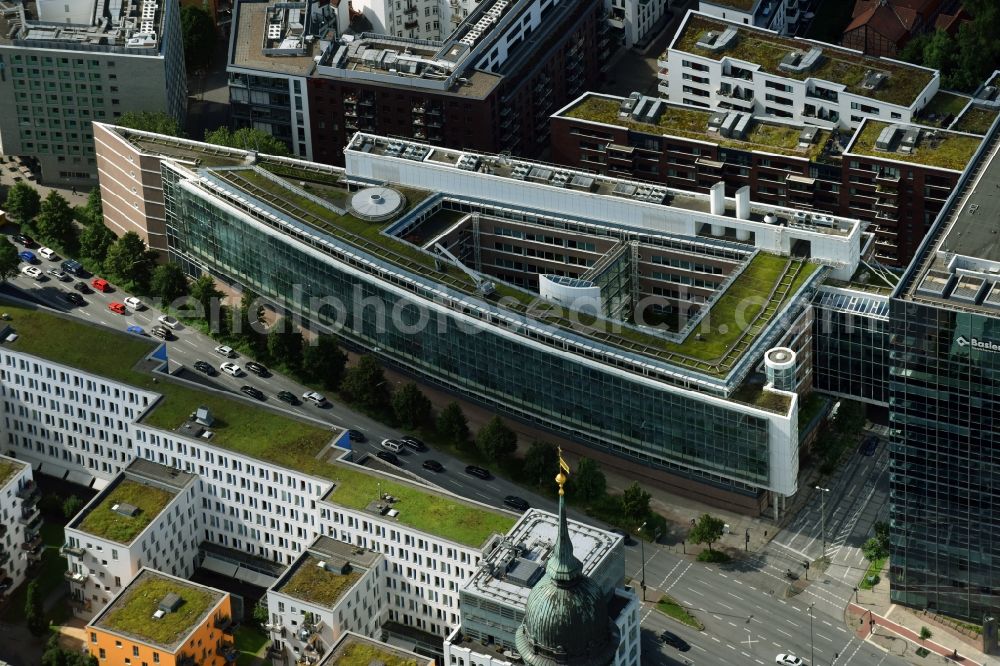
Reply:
x=635, y=18
x=704, y=66
x=782, y=16
x=417, y=19
x=20, y=521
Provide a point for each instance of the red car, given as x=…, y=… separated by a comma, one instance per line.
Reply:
x=117, y=307
x=100, y=284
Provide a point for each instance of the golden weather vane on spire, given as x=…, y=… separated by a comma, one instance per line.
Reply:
x=563, y=472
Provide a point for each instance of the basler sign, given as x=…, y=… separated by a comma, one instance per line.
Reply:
x=975, y=343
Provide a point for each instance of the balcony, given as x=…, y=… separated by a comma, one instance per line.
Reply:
x=32, y=542
x=30, y=516
x=223, y=622
x=886, y=177
x=227, y=651
x=889, y=203
x=616, y=19
x=74, y=577
x=4, y=556
x=74, y=551
x=412, y=25
x=28, y=490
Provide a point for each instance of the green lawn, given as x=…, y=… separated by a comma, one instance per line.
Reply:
x=319, y=586
x=874, y=569
x=133, y=614
x=669, y=607
x=249, y=640
x=103, y=522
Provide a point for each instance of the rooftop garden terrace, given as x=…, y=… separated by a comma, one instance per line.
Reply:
x=948, y=150
x=104, y=522
x=7, y=469
x=902, y=87
x=944, y=105
x=976, y=120
x=314, y=584
x=693, y=124
x=132, y=613
x=239, y=426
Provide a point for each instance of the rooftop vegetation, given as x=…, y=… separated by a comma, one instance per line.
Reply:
x=365, y=654
x=942, y=105
x=949, y=150
x=132, y=614
x=317, y=585
x=902, y=87
x=7, y=469
x=102, y=521
x=976, y=120
x=693, y=124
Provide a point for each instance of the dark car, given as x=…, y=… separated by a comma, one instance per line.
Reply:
x=202, y=366
x=356, y=436
x=869, y=446
x=82, y=287
x=72, y=267
x=478, y=472
x=289, y=397
x=515, y=502
x=26, y=241
x=256, y=368
x=675, y=641
x=389, y=457
x=433, y=465
x=74, y=298
x=254, y=393
x=412, y=442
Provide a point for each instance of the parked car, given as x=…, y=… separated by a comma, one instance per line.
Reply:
x=162, y=332
x=168, y=321
x=389, y=457
x=224, y=350
x=356, y=436
x=82, y=287
x=48, y=253
x=72, y=267
x=204, y=366
x=253, y=392
x=100, y=284
x=117, y=308
x=432, y=465
x=134, y=304
x=28, y=256
x=257, y=369
x=74, y=298
x=288, y=396
x=675, y=641
x=315, y=398
x=413, y=443
x=58, y=274
x=32, y=272
x=869, y=446
x=134, y=328
x=231, y=368
x=394, y=445
x=515, y=502
x=478, y=472
x=26, y=241
x=788, y=660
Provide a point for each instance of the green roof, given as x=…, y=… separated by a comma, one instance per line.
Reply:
x=132, y=613
x=976, y=120
x=942, y=105
x=7, y=469
x=102, y=521
x=316, y=585
x=365, y=653
x=902, y=87
x=693, y=124
x=946, y=150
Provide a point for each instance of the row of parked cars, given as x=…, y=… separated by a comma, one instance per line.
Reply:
x=253, y=367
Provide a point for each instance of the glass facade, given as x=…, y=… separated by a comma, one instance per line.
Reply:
x=851, y=337
x=944, y=397
x=614, y=410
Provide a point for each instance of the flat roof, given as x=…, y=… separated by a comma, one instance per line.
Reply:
x=932, y=147
x=836, y=65
x=124, y=509
x=130, y=614
x=325, y=572
x=251, y=27
x=137, y=28
x=356, y=650
x=8, y=467
x=744, y=5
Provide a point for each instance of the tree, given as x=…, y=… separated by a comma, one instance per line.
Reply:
x=873, y=549
x=71, y=506
x=411, y=406
x=55, y=222
x=284, y=344
x=9, y=260
x=247, y=138
x=203, y=291
x=260, y=612
x=452, y=426
x=365, y=384
x=168, y=282
x=323, y=362
x=588, y=484
x=707, y=530
x=95, y=241
x=150, y=121
x=34, y=614
x=23, y=202
x=55, y=655
x=635, y=502
x=496, y=441
x=925, y=633
x=199, y=37
x=94, y=208
x=541, y=463
x=129, y=261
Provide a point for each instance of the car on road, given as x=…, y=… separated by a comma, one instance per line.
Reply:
x=48, y=253
x=869, y=446
x=117, y=308
x=389, y=457
x=394, y=445
x=32, y=272
x=788, y=660
x=231, y=368
x=674, y=641
x=432, y=465
x=412, y=442
x=162, y=332
x=204, y=366
x=288, y=396
x=479, y=472
x=100, y=284
x=72, y=267
x=257, y=369
x=138, y=330
x=515, y=502
x=74, y=298
x=356, y=436
x=82, y=287
x=134, y=303
x=58, y=274
x=27, y=256
x=315, y=398
x=26, y=241
x=224, y=350
x=253, y=392
x=168, y=321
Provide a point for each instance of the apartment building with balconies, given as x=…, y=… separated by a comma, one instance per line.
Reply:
x=718, y=64
x=633, y=21
x=20, y=523
x=785, y=17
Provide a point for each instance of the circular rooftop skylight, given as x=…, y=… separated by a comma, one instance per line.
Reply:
x=377, y=203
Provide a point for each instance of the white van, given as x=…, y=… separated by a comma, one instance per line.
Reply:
x=393, y=445
x=48, y=253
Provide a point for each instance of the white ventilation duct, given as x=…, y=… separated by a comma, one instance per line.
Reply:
x=743, y=203
x=718, y=198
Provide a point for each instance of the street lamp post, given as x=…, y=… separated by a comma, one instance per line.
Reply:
x=642, y=554
x=812, y=652
x=822, y=516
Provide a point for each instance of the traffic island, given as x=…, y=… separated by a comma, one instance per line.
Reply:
x=673, y=609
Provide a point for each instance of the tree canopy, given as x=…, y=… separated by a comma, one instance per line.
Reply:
x=966, y=59
x=452, y=426
x=247, y=138
x=496, y=441
x=323, y=361
x=707, y=530
x=95, y=241
x=411, y=406
x=200, y=37
x=168, y=282
x=365, y=384
x=9, y=260
x=150, y=121
x=128, y=260
x=23, y=202
x=55, y=222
